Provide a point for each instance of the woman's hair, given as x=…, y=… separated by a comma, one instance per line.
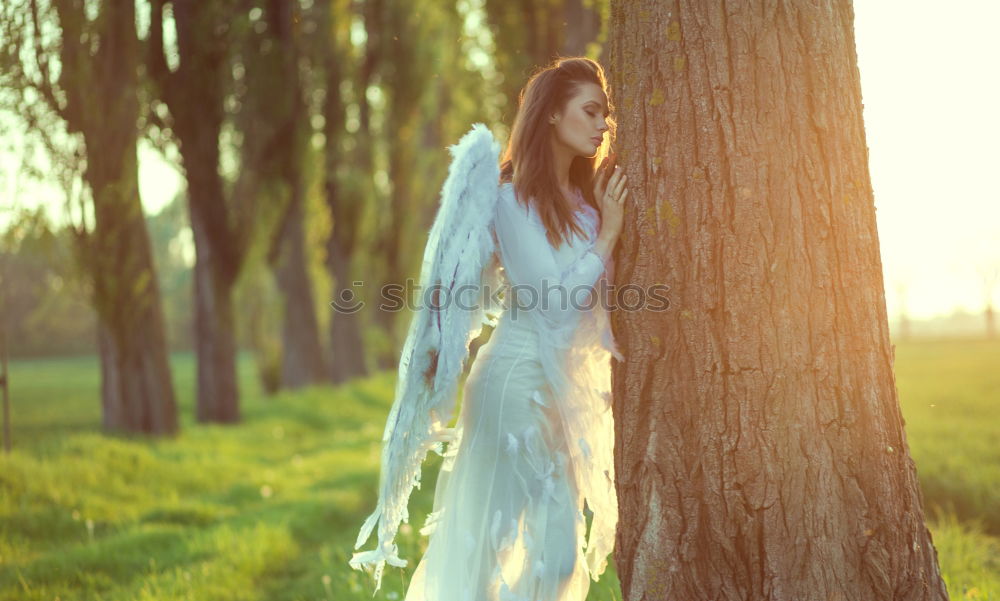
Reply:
x=527, y=160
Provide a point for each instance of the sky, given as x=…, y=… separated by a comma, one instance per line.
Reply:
x=930, y=94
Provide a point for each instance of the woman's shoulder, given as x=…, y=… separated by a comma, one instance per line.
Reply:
x=509, y=201
x=507, y=191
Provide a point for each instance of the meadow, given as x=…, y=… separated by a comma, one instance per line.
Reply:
x=270, y=509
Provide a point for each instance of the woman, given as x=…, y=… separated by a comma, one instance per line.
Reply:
x=537, y=436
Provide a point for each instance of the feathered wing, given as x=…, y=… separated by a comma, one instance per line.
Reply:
x=449, y=315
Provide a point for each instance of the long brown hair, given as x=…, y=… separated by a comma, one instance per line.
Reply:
x=527, y=160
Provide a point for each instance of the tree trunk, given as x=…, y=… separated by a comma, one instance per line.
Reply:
x=347, y=347
x=302, y=355
x=394, y=246
x=215, y=335
x=101, y=90
x=346, y=357
x=194, y=94
x=760, y=449
x=135, y=395
x=137, y=392
x=277, y=137
x=218, y=255
x=379, y=65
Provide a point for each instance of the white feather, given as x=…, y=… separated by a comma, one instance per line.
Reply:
x=459, y=249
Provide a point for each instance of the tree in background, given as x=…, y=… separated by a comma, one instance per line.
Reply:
x=45, y=310
x=222, y=224
x=218, y=94
x=173, y=254
x=275, y=136
x=530, y=34
x=406, y=75
x=428, y=94
x=760, y=450
x=415, y=57
x=990, y=274
x=85, y=78
x=902, y=288
x=48, y=313
x=344, y=195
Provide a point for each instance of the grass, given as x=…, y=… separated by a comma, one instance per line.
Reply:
x=950, y=394
x=269, y=509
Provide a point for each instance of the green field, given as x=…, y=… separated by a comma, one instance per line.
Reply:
x=270, y=509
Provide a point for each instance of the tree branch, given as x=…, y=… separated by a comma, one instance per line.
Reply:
x=163, y=79
x=76, y=65
x=44, y=84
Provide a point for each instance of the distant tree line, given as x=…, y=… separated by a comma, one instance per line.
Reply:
x=312, y=140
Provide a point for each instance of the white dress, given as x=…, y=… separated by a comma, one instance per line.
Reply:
x=534, y=435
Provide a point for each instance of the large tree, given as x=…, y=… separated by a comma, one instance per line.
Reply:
x=194, y=93
x=80, y=73
x=760, y=450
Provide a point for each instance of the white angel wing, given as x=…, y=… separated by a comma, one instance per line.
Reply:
x=450, y=315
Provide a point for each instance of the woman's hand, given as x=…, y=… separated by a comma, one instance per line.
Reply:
x=610, y=192
x=601, y=176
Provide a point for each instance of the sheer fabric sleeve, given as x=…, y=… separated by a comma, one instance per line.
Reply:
x=556, y=296
x=573, y=348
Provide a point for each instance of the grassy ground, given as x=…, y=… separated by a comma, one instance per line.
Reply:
x=269, y=509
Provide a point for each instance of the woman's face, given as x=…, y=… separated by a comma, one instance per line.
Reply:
x=582, y=124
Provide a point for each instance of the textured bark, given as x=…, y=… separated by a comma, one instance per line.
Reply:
x=760, y=449
x=101, y=91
